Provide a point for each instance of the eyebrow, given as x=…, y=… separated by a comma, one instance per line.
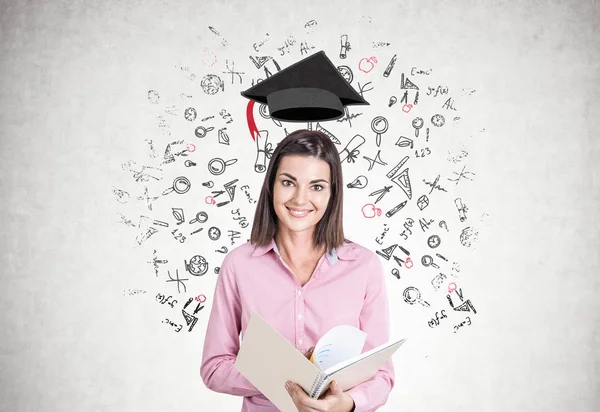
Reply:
x=295, y=180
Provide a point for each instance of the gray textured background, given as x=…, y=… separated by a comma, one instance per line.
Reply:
x=73, y=108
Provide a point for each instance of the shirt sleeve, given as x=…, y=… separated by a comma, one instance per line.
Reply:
x=221, y=342
x=374, y=320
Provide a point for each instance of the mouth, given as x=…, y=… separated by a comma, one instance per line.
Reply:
x=299, y=213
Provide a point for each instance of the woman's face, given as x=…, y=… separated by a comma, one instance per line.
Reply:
x=301, y=192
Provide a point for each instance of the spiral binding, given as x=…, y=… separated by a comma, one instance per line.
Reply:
x=317, y=385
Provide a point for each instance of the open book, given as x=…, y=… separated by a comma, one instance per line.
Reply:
x=268, y=360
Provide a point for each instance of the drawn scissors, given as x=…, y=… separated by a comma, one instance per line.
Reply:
x=381, y=192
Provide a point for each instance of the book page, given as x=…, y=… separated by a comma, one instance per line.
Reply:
x=341, y=343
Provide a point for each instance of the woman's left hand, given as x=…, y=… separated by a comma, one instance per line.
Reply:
x=334, y=399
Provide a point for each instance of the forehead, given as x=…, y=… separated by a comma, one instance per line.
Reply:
x=304, y=167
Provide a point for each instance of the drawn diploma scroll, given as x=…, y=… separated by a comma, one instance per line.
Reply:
x=351, y=150
x=264, y=150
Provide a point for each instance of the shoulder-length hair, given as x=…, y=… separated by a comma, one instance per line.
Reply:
x=329, y=230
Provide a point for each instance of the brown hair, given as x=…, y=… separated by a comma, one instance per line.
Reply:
x=329, y=230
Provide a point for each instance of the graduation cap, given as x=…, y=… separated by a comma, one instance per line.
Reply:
x=309, y=90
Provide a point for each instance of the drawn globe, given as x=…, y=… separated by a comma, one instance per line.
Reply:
x=198, y=265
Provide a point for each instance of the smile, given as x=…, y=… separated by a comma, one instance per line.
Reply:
x=298, y=213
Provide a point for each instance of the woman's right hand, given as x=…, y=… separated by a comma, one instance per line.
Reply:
x=309, y=352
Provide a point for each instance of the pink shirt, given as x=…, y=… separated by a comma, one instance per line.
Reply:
x=347, y=287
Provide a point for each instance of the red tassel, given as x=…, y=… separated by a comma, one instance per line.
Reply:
x=250, y=118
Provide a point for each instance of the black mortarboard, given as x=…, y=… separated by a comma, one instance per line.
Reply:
x=309, y=90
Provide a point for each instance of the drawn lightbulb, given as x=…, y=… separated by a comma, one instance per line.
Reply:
x=358, y=183
x=393, y=100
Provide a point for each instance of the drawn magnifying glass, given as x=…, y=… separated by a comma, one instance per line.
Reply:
x=417, y=123
x=217, y=165
x=201, y=217
x=201, y=131
x=379, y=125
x=263, y=110
x=427, y=261
x=412, y=295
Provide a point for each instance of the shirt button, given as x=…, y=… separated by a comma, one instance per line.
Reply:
x=300, y=316
x=299, y=292
x=299, y=341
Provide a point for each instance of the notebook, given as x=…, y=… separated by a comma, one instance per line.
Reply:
x=268, y=360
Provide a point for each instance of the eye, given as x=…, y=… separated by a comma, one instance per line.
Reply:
x=318, y=188
x=286, y=183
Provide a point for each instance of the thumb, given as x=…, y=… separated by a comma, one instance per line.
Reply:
x=335, y=389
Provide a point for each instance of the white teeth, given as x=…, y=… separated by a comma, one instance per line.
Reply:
x=299, y=214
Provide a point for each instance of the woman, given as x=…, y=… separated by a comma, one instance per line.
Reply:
x=302, y=276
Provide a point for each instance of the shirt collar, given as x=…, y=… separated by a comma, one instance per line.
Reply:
x=348, y=251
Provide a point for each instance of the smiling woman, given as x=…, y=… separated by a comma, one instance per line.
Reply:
x=302, y=276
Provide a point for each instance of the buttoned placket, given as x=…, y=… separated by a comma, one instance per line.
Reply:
x=299, y=299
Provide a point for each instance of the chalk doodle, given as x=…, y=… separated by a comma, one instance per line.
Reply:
x=390, y=67
x=462, y=209
x=264, y=151
x=178, y=280
x=345, y=46
x=370, y=211
x=366, y=64
x=217, y=166
x=468, y=236
x=379, y=125
x=376, y=160
x=211, y=84
x=232, y=71
x=346, y=73
x=412, y=295
x=381, y=193
x=359, y=183
x=462, y=175
x=197, y=266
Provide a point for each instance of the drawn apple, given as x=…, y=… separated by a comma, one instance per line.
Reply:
x=369, y=211
x=366, y=65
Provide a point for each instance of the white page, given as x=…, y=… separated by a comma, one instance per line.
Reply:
x=341, y=343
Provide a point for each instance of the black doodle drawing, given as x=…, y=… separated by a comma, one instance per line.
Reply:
x=145, y=221
x=417, y=123
x=387, y=252
x=359, y=183
x=466, y=322
x=348, y=117
x=412, y=295
x=376, y=160
x=379, y=125
x=416, y=101
x=396, y=209
x=149, y=200
x=434, y=184
x=257, y=46
x=438, y=281
x=465, y=306
x=223, y=136
x=122, y=196
x=171, y=323
x=405, y=83
x=151, y=148
x=467, y=92
x=246, y=190
x=404, y=142
x=346, y=73
x=239, y=218
x=172, y=110
x=145, y=235
x=178, y=214
x=217, y=270
x=208, y=184
x=462, y=209
x=223, y=41
x=462, y=175
x=425, y=223
x=396, y=273
x=423, y=202
x=427, y=134
x=232, y=72
x=390, y=66
x=211, y=84
x=362, y=89
x=190, y=114
x=142, y=173
x=439, y=90
x=345, y=46
x=436, y=321
x=402, y=178
x=433, y=241
x=178, y=236
x=126, y=221
x=201, y=131
x=201, y=217
x=133, y=292
x=233, y=235
x=191, y=319
x=438, y=120
x=155, y=262
x=222, y=250
x=385, y=230
x=305, y=48
x=214, y=233
x=443, y=225
x=185, y=96
x=404, y=99
x=407, y=225
x=468, y=236
x=380, y=44
x=264, y=151
x=162, y=299
x=351, y=152
x=424, y=152
x=153, y=96
x=328, y=134
x=226, y=116
x=181, y=185
x=381, y=193
x=178, y=280
x=449, y=104
x=186, y=73
x=392, y=101
x=216, y=166
x=427, y=260
x=198, y=265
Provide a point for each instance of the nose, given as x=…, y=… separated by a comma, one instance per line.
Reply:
x=301, y=196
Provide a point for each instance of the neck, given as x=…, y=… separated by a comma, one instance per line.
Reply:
x=297, y=246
